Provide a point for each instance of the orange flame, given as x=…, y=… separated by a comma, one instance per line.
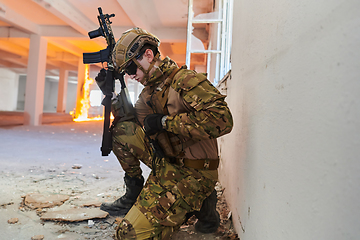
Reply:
x=85, y=100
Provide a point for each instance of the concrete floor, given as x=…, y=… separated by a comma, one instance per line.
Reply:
x=41, y=160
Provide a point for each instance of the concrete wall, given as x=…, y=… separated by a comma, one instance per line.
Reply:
x=291, y=164
x=50, y=95
x=8, y=90
x=71, y=97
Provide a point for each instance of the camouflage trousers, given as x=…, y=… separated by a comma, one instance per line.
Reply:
x=170, y=192
x=130, y=146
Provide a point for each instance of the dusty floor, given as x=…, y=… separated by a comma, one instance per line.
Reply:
x=65, y=159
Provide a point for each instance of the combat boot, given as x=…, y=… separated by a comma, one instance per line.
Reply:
x=122, y=205
x=208, y=217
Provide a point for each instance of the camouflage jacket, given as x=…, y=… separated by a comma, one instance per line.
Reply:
x=195, y=107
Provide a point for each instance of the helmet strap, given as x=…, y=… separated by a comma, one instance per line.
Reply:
x=146, y=72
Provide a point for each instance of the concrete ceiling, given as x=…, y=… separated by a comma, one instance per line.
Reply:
x=66, y=23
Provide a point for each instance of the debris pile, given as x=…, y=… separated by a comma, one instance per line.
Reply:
x=68, y=207
x=226, y=230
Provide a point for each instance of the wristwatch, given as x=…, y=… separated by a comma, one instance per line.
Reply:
x=163, y=121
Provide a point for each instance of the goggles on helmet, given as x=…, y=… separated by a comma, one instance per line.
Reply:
x=131, y=67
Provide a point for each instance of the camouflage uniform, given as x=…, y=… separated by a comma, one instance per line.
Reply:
x=181, y=181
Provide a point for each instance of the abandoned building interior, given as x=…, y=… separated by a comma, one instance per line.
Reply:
x=290, y=69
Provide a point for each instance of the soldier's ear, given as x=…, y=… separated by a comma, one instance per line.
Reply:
x=149, y=55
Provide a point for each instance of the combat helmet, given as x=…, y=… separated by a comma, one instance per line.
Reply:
x=128, y=47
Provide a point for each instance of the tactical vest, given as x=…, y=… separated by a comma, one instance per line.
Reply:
x=172, y=145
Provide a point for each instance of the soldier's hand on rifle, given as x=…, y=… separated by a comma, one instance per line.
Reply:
x=154, y=123
x=100, y=80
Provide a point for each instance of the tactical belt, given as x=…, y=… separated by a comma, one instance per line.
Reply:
x=199, y=164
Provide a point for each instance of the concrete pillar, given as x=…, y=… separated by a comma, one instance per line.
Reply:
x=9, y=90
x=62, y=90
x=35, y=81
x=80, y=80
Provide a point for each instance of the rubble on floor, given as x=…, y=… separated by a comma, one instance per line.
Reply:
x=91, y=222
x=63, y=160
x=38, y=237
x=91, y=204
x=5, y=203
x=13, y=220
x=37, y=200
x=74, y=215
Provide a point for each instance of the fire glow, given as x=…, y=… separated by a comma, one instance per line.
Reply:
x=84, y=102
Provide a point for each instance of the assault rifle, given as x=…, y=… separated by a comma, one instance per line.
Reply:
x=107, y=86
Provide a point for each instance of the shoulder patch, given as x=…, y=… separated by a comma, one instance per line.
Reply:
x=187, y=80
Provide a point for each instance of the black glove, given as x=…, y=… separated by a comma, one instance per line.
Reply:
x=100, y=80
x=152, y=123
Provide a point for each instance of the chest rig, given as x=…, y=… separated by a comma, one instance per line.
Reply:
x=156, y=98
